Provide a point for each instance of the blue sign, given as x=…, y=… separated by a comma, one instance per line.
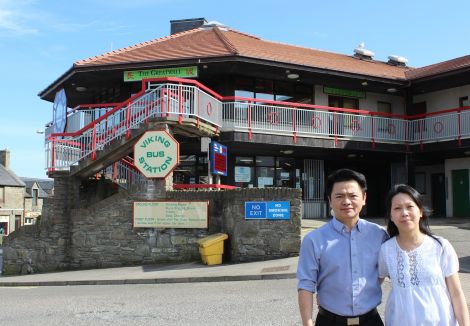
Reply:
x=255, y=210
x=278, y=210
x=218, y=158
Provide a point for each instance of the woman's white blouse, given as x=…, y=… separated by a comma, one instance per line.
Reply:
x=419, y=294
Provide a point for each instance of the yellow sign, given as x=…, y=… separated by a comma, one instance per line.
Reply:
x=156, y=154
x=171, y=214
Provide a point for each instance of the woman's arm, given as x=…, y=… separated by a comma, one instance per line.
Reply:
x=458, y=299
x=306, y=307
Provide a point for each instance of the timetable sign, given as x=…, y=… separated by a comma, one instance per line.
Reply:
x=218, y=158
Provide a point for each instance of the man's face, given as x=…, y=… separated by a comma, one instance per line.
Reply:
x=347, y=200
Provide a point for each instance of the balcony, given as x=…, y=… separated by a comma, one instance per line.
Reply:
x=193, y=108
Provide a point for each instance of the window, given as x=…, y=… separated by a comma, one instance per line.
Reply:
x=384, y=107
x=285, y=172
x=17, y=222
x=265, y=171
x=191, y=170
x=343, y=102
x=463, y=101
x=266, y=89
x=35, y=197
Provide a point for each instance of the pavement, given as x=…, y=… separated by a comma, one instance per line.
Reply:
x=198, y=272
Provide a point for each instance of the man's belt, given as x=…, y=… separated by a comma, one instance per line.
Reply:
x=353, y=320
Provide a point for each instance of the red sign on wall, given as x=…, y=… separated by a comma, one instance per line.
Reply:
x=218, y=159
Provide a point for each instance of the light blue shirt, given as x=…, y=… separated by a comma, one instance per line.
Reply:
x=341, y=266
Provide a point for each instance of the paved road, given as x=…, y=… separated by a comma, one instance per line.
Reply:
x=222, y=303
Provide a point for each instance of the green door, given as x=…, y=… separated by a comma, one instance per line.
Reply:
x=438, y=195
x=461, y=202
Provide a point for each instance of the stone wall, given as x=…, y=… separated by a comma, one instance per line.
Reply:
x=89, y=231
x=251, y=240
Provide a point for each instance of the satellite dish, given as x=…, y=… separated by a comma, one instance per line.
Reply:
x=60, y=111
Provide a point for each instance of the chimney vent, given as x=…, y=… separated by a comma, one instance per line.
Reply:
x=362, y=53
x=396, y=60
x=182, y=25
x=5, y=158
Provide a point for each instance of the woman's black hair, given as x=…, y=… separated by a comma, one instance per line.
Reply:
x=418, y=200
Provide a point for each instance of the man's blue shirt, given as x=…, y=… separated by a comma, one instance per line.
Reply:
x=341, y=266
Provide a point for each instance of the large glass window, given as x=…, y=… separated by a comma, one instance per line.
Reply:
x=266, y=89
x=265, y=171
x=384, y=107
x=285, y=172
x=191, y=170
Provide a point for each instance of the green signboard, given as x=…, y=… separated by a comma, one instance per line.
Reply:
x=171, y=214
x=344, y=92
x=181, y=72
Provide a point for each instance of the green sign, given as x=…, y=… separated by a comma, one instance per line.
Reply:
x=171, y=214
x=181, y=72
x=156, y=154
x=344, y=92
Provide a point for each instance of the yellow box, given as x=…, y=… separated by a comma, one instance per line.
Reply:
x=211, y=248
x=212, y=259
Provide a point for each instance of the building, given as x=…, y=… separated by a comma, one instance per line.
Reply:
x=289, y=115
x=12, y=191
x=36, y=190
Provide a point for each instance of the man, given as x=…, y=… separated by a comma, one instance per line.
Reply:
x=339, y=260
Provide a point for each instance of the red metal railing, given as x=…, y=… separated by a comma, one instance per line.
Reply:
x=182, y=97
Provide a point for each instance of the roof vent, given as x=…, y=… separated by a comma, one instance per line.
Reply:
x=396, y=60
x=214, y=23
x=362, y=53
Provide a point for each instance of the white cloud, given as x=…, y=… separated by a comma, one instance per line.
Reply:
x=14, y=17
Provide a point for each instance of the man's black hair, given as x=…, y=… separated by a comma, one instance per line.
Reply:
x=345, y=175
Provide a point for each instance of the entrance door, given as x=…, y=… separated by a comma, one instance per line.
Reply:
x=438, y=194
x=314, y=205
x=461, y=203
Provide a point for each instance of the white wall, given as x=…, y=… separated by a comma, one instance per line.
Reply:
x=369, y=103
x=453, y=164
x=443, y=100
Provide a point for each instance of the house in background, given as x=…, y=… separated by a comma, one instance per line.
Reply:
x=12, y=191
x=36, y=191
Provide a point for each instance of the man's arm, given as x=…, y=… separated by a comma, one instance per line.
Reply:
x=306, y=307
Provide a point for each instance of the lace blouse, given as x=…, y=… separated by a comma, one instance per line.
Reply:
x=419, y=294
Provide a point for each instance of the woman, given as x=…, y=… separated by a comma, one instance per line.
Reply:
x=422, y=267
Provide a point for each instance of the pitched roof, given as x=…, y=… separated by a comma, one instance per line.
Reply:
x=208, y=42
x=9, y=178
x=439, y=68
x=45, y=185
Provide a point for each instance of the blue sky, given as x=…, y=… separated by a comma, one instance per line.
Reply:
x=41, y=39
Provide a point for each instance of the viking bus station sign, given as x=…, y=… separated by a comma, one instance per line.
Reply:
x=156, y=154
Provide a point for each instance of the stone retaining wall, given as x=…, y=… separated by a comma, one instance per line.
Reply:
x=94, y=232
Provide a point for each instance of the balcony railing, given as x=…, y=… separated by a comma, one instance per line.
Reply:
x=91, y=128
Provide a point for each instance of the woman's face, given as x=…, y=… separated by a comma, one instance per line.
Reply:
x=405, y=213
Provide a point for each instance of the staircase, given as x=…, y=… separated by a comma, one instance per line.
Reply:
x=106, y=140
